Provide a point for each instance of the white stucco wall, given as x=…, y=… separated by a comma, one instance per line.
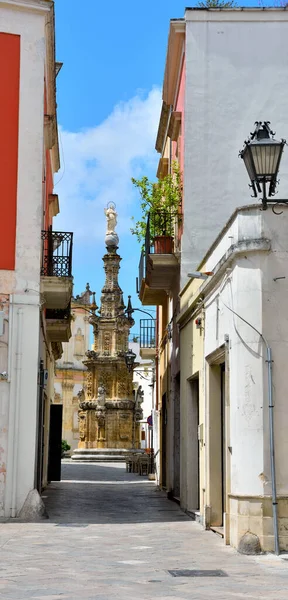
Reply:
x=236, y=73
x=23, y=284
x=247, y=286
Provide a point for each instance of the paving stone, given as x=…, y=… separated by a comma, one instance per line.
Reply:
x=112, y=535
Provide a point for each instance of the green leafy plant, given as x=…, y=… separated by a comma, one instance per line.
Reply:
x=64, y=447
x=161, y=199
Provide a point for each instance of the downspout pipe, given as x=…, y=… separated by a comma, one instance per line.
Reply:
x=17, y=410
x=272, y=450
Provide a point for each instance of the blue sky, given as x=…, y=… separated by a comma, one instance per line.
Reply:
x=109, y=99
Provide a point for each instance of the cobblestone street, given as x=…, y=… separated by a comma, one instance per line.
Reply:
x=113, y=535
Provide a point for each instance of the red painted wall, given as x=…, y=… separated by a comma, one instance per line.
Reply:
x=9, y=124
x=49, y=184
x=179, y=107
x=49, y=188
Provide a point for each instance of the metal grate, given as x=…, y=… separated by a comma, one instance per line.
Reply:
x=56, y=253
x=142, y=269
x=147, y=333
x=59, y=314
x=197, y=573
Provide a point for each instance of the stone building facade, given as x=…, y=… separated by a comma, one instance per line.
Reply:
x=70, y=370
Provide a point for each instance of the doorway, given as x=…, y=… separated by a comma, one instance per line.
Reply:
x=193, y=445
x=55, y=439
x=40, y=429
x=223, y=436
x=217, y=441
x=176, y=444
x=164, y=441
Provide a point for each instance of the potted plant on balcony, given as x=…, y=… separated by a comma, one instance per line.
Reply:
x=160, y=203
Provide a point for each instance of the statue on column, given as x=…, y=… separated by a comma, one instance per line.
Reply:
x=111, y=238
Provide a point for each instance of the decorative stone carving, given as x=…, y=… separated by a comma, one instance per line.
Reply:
x=101, y=422
x=101, y=396
x=120, y=404
x=79, y=343
x=89, y=384
x=138, y=414
x=107, y=343
x=122, y=390
x=106, y=382
x=68, y=385
x=81, y=395
x=82, y=425
x=87, y=405
x=57, y=398
x=92, y=355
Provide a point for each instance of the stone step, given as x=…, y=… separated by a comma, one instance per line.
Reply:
x=100, y=454
x=107, y=451
x=98, y=458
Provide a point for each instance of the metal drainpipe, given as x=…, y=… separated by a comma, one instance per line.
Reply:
x=272, y=451
x=17, y=409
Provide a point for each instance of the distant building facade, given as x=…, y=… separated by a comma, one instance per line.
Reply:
x=143, y=384
x=70, y=370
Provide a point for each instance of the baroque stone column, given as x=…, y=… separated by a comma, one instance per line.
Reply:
x=108, y=392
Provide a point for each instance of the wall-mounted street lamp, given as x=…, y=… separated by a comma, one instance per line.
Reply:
x=130, y=357
x=262, y=155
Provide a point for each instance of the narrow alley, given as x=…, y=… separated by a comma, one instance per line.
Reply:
x=114, y=535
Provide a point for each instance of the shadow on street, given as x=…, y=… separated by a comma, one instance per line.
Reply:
x=105, y=494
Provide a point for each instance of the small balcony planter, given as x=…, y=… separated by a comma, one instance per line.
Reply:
x=163, y=244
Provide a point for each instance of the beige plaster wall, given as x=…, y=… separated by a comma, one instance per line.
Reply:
x=192, y=407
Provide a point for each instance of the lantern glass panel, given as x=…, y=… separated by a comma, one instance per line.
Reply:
x=130, y=359
x=249, y=162
x=266, y=158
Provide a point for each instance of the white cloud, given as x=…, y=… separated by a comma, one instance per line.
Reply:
x=99, y=164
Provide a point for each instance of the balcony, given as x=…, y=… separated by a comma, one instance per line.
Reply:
x=58, y=325
x=159, y=264
x=147, y=339
x=56, y=269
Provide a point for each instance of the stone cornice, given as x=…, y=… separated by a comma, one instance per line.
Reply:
x=173, y=59
x=39, y=6
x=51, y=84
x=120, y=404
x=237, y=14
x=162, y=128
x=238, y=249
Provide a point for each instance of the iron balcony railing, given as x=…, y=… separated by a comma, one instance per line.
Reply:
x=142, y=271
x=133, y=337
x=59, y=314
x=56, y=254
x=147, y=333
